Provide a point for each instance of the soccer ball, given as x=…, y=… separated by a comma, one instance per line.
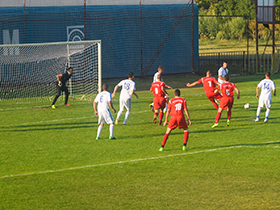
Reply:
x=247, y=106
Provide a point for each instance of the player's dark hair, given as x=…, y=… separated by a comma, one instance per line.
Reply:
x=105, y=87
x=70, y=69
x=224, y=62
x=130, y=74
x=226, y=77
x=161, y=67
x=177, y=92
x=267, y=74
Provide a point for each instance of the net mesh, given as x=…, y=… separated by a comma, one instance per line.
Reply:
x=28, y=72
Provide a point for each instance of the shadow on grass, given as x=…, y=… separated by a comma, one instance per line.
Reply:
x=42, y=127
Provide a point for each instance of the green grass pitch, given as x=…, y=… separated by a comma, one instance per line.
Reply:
x=50, y=159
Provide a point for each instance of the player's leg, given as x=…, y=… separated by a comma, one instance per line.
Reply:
x=127, y=106
x=186, y=138
x=218, y=116
x=65, y=89
x=160, y=116
x=121, y=103
x=215, y=104
x=230, y=104
x=58, y=91
x=110, y=121
x=152, y=106
x=111, y=130
x=165, y=137
x=171, y=125
x=155, y=116
x=267, y=105
x=101, y=124
x=261, y=103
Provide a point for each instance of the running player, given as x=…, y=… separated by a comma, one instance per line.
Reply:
x=222, y=72
x=160, y=97
x=267, y=86
x=227, y=99
x=159, y=72
x=61, y=86
x=176, y=108
x=209, y=83
x=104, y=100
x=128, y=88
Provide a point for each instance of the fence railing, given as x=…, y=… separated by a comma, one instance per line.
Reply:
x=239, y=62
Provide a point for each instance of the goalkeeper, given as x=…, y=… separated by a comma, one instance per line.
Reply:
x=61, y=86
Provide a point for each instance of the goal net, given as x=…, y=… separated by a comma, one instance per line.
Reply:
x=28, y=71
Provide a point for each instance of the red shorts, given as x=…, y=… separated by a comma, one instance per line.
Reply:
x=226, y=102
x=159, y=103
x=212, y=95
x=176, y=121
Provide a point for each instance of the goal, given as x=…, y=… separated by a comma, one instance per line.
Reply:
x=28, y=71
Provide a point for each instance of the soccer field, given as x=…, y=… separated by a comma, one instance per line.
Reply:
x=51, y=160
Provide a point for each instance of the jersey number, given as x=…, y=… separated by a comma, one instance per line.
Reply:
x=266, y=86
x=178, y=107
x=126, y=86
x=210, y=83
x=156, y=90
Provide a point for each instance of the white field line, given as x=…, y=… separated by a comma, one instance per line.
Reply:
x=137, y=160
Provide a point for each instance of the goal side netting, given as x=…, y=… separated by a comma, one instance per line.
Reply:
x=28, y=71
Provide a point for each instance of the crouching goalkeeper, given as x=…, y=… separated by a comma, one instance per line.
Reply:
x=61, y=86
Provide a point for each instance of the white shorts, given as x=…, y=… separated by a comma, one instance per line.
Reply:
x=125, y=103
x=105, y=115
x=264, y=101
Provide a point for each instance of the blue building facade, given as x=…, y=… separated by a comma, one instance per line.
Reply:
x=135, y=38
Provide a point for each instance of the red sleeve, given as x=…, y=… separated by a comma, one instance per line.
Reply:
x=200, y=81
x=219, y=87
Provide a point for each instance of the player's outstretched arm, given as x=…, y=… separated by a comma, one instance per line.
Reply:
x=111, y=105
x=115, y=90
x=95, y=110
x=168, y=86
x=192, y=84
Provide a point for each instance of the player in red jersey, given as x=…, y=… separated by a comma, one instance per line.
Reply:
x=209, y=83
x=176, y=108
x=227, y=99
x=160, y=97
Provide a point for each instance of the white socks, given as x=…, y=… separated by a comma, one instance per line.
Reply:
x=99, y=130
x=111, y=129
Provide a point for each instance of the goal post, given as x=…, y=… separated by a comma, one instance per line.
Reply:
x=28, y=71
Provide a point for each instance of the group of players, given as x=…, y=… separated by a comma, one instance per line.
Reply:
x=176, y=106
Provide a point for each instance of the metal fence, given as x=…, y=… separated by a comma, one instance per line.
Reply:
x=239, y=62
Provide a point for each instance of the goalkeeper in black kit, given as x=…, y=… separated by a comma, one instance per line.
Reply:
x=61, y=86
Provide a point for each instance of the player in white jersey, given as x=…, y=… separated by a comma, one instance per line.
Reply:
x=222, y=72
x=159, y=72
x=104, y=101
x=128, y=88
x=267, y=86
